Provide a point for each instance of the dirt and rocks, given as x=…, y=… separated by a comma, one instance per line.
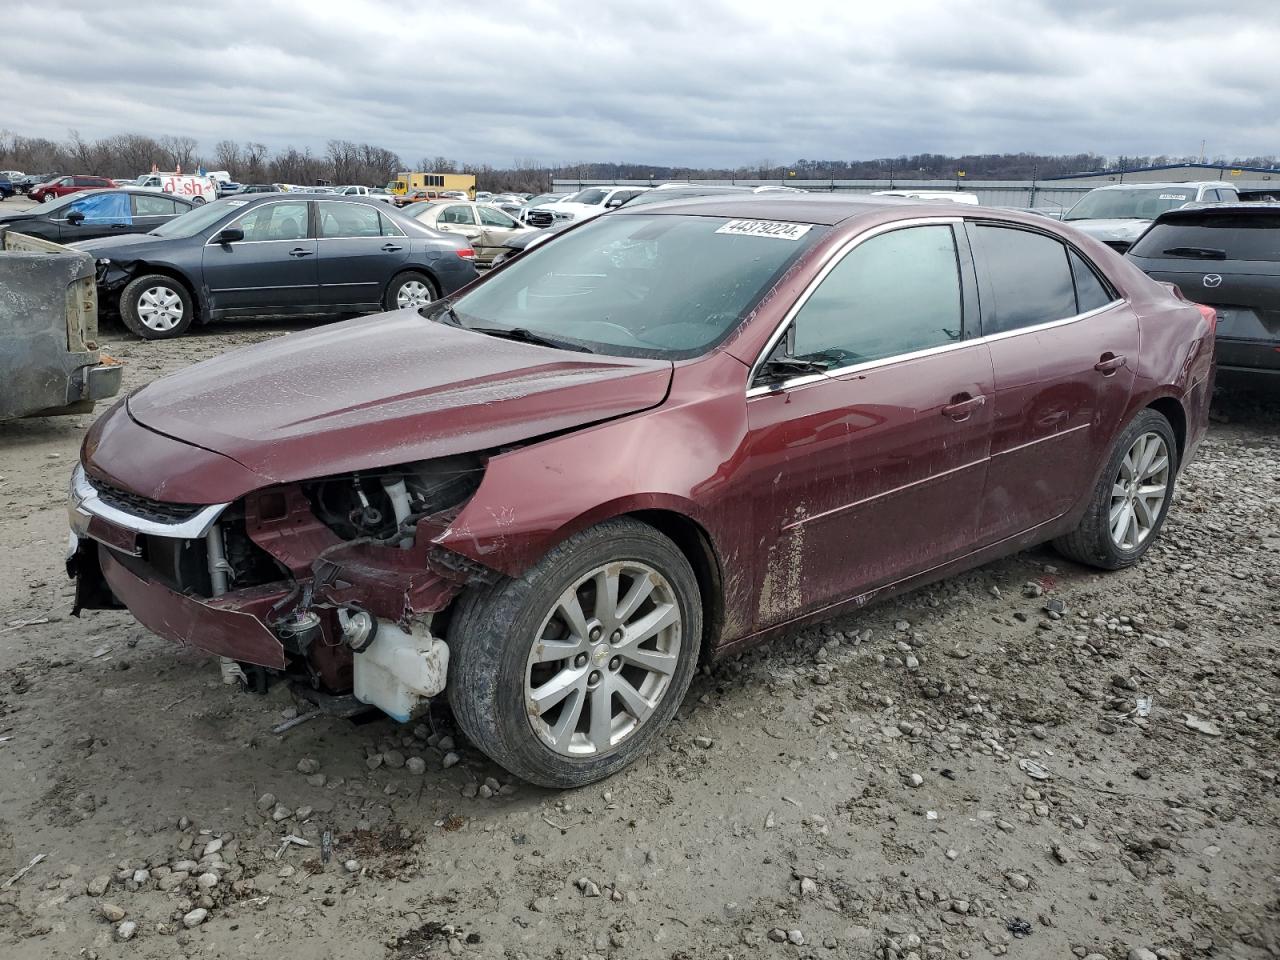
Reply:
x=1032, y=760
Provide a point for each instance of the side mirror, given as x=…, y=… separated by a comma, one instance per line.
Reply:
x=75, y=217
x=230, y=235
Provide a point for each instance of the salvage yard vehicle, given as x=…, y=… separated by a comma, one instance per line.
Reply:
x=1228, y=257
x=197, y=189
x=937, y=196
x=406, y=182
x=49, y=357
x=549, y=496
x=96, y=213
x=1118, y=213
x=66, y=185
x=275, y=255
x=582, y=205
x=489, y=230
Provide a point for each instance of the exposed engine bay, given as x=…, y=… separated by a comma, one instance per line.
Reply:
x=332, y=583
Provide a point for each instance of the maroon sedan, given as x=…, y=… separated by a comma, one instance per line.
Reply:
x=62, y=186
x=662, y=436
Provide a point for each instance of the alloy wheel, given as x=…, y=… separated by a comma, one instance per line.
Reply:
x=160, y=309
x=1139, y=491
x=413, y=293
x=603, y=659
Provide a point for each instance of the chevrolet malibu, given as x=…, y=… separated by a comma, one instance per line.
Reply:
x=661, y=437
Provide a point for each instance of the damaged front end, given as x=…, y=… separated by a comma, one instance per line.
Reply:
x=334, y=583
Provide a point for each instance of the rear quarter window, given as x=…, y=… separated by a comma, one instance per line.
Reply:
x=1215, y=236
x=1029, y=277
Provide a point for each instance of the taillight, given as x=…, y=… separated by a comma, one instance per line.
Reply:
x=1210, y=316
x=466, y=253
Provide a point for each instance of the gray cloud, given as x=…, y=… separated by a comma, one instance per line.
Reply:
x=683, y=83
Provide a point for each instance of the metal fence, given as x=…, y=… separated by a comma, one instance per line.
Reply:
x=994, y=193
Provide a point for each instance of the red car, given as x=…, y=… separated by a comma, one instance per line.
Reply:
x=664, y=435
x=65, y=185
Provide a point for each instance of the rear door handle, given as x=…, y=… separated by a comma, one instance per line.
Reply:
x=961, y=409
x=300, y=252
x=391, y=247
x=1109, y=364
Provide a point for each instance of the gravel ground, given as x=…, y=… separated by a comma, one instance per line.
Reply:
x=1032, y=759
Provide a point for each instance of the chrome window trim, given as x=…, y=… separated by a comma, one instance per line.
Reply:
x=86, y=503
x=835, y=258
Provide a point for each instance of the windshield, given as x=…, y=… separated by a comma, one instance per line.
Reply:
x=1139, y=203
x=198, y=219
x=623, y=284
x=590, y=197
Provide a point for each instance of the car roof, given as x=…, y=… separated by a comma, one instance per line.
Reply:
x=1191, y=210
x=821, y=209
x=1166, y=184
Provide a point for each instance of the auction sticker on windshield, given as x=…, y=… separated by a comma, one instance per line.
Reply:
x=1173, y=196
x=766, y=228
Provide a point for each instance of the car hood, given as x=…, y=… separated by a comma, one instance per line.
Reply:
x=384, y=390
x=1126, y=229
x=120, y=245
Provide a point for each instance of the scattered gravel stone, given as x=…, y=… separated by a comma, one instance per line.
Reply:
x=308, y=765
x=351, y=866
x=195, y=917
x=416, y=765
x=450, y=760
x=98, y=885
x=111, y=912
x=126, y=930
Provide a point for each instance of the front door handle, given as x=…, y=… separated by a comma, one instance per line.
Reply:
x=1109, y=363
x=300, y=252
x=962, y=406
x=391, y=247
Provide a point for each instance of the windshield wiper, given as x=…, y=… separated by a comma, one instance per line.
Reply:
x=524, y=336
x=1199, y=253
x=778, y=369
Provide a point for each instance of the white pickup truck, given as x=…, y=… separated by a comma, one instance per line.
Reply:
x=356, y=190
x=196, y=189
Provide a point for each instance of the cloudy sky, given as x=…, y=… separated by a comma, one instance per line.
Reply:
x=679, y=82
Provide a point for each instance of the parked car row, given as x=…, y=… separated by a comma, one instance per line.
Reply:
x=275, y=255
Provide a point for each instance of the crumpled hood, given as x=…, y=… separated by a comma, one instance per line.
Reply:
x=121, y=245
x=387, y=389
x=1126, y=230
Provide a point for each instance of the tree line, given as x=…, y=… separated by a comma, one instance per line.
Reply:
x=344, y=161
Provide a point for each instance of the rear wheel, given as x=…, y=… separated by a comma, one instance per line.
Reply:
x=156, y=307
x=1131, y=499
x=411, y=289
x=567, y=674
x=198, y=201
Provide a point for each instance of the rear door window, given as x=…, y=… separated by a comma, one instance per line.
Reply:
x=1091, y=292
x=154, y=205
x=338, y=219
x=1229, y=235
x=893, y=294
x=1029, y=278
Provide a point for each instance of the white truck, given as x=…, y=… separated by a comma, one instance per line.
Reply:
x=197, y=189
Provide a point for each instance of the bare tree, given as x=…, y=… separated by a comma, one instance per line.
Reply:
x=180, y=152
x=226, y=155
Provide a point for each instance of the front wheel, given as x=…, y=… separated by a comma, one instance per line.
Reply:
x=412, y=289
x=567, y=674
x=156, y=307
x=1131, y=499
x=198, y=201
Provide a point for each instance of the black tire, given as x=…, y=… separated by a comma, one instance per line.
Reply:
x=198, y=201
x=390, y=298
x=495, y=626
x=1091, y=542
x=130, y=304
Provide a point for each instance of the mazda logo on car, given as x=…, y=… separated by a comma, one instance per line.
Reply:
x=1212, y=280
